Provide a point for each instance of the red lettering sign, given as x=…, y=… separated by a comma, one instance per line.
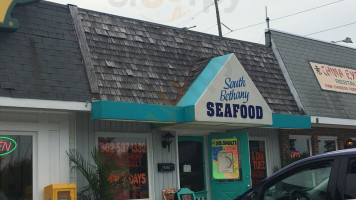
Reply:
x=131, y=156
x=7, y=145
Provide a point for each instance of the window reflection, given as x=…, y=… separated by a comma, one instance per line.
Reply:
x=326, y=146
x=16, y=171
x=299, y=147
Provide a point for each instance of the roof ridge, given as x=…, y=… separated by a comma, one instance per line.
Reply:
x=171, y=27
x=309, y=38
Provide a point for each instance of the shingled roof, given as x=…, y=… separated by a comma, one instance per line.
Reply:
x=142, y=62
x=296, y=52
x=42, y=60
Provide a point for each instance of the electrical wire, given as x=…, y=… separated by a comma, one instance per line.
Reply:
x=278, y=18
x=336, y=27
x=194, y=16
x=210, y=28
x=197, y=14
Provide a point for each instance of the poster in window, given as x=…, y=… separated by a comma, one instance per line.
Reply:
x=258, y=161
x=225, y=158
x=130, y=174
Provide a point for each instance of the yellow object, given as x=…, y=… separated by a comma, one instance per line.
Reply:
x=61, y=192
x=4, y=7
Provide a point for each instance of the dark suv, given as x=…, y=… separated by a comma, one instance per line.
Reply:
x=330, y=176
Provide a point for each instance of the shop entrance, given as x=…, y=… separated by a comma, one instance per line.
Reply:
x=229, y=165
x=192, y=165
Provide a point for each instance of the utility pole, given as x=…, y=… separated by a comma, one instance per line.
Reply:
x=267, y=18
x=218, y=17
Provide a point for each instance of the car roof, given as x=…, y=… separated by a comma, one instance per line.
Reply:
x=345, y=152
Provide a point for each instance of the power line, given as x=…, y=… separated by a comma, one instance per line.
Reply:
x=278, y=18
x=331, y=28
x=209, y=28
x=308, y=10
x=195, y=15
x=226, y=26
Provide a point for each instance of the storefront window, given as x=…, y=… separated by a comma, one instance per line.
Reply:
x=258, y=161
x=326, y=144
x=132, y=170
x=299, y=147
x=16, y=167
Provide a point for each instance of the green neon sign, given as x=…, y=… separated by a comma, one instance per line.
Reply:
x=7, y=145
x=6, y=6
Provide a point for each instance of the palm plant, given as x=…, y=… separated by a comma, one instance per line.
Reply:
x=97, y=173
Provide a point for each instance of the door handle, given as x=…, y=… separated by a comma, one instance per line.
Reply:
x=248, y=186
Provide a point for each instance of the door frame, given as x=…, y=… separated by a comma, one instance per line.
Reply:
x=35, y=155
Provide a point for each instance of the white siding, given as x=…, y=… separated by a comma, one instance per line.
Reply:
x=50, y=133
x=272, y=146
x=164, y=180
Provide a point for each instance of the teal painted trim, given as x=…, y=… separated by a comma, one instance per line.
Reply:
x=189, y=113
x=202, y=82
x=291, y=121
x=141, y=112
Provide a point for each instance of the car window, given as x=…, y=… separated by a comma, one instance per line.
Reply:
x=350, y=186
x=309, y=183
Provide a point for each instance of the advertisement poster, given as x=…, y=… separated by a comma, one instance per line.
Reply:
x=225, y=159
x=129, y=156
x=258, y=161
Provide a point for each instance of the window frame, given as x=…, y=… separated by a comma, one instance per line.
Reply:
x=308, y=137
x=148, y=137
x=35, y=156
x=341, y=181
x=334, y=138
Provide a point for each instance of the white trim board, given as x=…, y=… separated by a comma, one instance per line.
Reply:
x=44, y=104
x=332, y=121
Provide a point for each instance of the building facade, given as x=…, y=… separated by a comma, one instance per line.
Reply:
x=206, y=110
x=321, y=78
x=176, y=108
x=42, y=86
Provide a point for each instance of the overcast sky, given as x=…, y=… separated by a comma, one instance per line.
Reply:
x=237, y=14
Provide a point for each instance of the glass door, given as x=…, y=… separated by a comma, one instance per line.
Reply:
x=192, y=165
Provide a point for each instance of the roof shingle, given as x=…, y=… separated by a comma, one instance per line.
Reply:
x=41, y=60
x=142, y=62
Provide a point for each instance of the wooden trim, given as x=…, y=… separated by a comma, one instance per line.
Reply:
x=44, y=104
x=84, y=48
